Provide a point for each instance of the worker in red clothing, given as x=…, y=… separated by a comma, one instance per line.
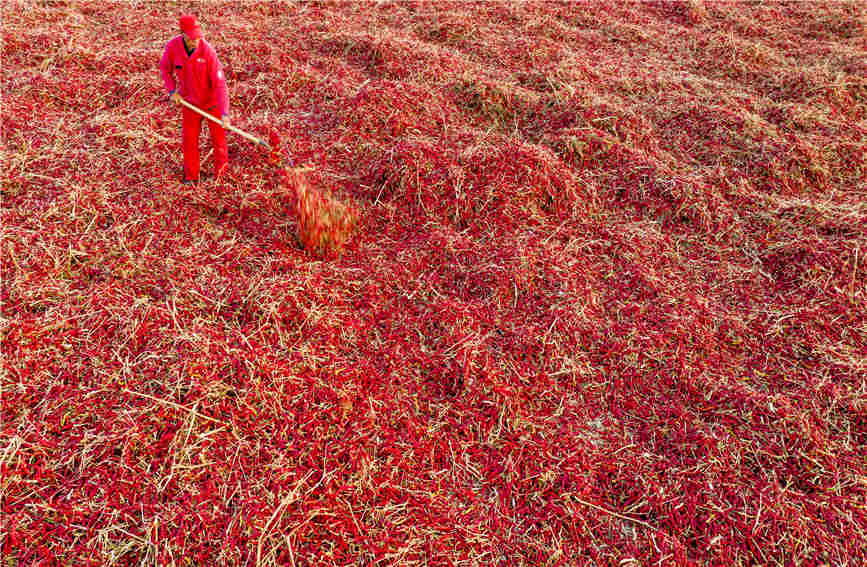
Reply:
x=190, y=70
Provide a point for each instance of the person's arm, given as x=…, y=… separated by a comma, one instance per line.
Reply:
x=168, y=73
x=218, y=79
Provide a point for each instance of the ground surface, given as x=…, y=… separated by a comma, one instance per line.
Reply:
x=605, y=304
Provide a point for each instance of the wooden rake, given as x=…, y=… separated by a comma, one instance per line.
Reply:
x=272, y=145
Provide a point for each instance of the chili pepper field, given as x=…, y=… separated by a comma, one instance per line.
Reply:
x=604, y=300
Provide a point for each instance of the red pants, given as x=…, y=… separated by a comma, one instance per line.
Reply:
x=192, y=125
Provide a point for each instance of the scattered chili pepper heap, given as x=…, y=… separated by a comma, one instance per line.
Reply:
x=324, y=222
x=608, y=304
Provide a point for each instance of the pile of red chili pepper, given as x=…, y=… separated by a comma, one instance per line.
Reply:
x=604, y=305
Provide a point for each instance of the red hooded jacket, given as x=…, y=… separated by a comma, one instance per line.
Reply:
x=201, y=77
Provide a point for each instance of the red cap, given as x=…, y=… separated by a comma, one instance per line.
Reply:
x=190, y=26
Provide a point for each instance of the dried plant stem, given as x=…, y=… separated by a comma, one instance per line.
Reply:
x=611, y=512
x=190, y=411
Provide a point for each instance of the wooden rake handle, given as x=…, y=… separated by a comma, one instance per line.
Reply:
x=238, y=131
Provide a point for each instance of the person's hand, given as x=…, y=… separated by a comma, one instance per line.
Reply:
x=225, y=121
x=176, y=97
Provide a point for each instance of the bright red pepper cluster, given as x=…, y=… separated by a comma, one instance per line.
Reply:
x=603, y=304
